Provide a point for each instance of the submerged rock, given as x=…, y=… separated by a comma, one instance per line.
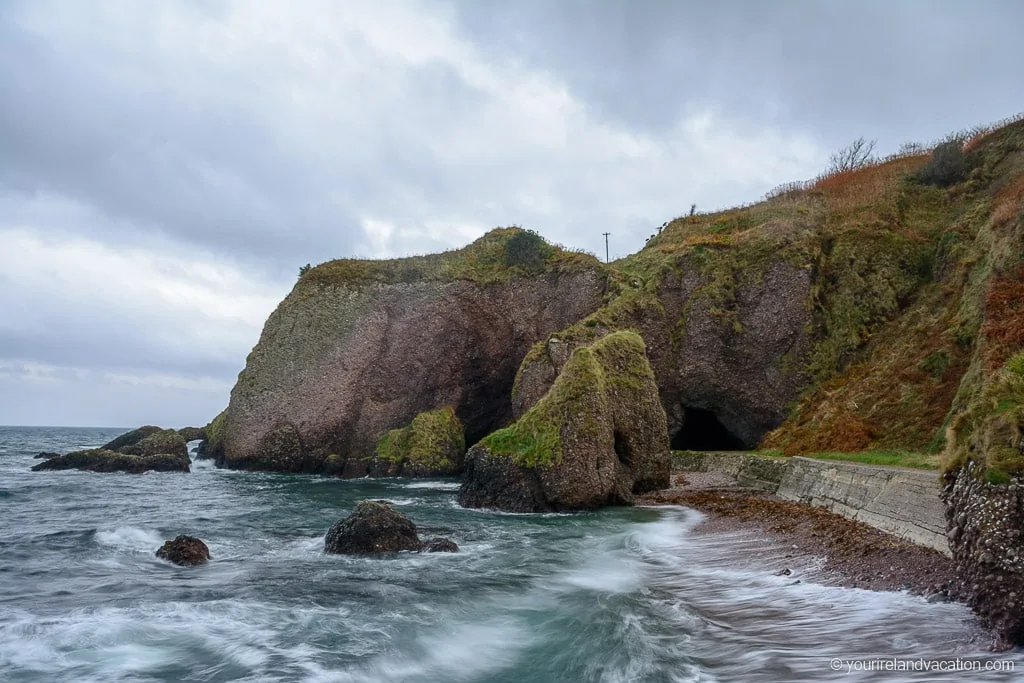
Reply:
x=433, y=444
x=45, y=455
x=375, y=527
x=187, y=551
x=101, y=460
x=597, y=437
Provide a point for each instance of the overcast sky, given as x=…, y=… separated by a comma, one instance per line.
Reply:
x=166, y=167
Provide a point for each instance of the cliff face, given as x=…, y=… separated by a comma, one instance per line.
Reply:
x=345, y=359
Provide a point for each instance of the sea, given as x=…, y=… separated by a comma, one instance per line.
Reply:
x=624, y=594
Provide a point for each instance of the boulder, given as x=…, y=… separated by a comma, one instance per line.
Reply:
x=433, y=444
x=102, y=460
x=596, y=438
x=187, y=551
x=374, y=527
x=161, y=442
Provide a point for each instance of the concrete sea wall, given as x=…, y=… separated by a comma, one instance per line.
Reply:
x=899, y=501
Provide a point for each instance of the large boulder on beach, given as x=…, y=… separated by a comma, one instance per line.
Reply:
x=433, y=444
x=187, y=551
x=596, y=438
x=374, y=527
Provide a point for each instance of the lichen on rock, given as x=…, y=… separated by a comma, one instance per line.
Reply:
x=597, y=437
x=433, y=444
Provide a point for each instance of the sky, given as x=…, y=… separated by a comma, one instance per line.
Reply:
x=166, y=167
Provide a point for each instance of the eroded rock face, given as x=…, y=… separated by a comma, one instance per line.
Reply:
x=186, y=551
x=101, y=460
x=597, y=437
x=985, y=525
x=739, y=359
x=339, y=366
x=374, y=527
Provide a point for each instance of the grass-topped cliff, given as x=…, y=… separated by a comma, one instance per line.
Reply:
x=495, y=257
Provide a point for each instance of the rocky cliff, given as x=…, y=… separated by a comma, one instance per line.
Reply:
x=359, y=348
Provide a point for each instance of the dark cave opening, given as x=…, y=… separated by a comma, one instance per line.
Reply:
x=702, y=431
x=621, y=449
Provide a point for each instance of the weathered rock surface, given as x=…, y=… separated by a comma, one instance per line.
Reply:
x=343, y=361
x=596, y=438
x=985, y=525
x=374, y=527
x=738, y=359
x=192, y=433
x=433, y=444
x=101, y=460
x=140, y=450
x=187, y=551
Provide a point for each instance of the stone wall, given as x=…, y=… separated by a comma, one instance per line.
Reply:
x=899, y=501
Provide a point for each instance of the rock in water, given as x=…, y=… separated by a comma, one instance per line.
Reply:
x=140, y=450
x=46, y=456
x=187, y=551
x=100, y=460
x=598, y=436
x=375, y=527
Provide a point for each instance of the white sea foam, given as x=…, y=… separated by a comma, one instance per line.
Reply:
x=130, y=538
x=430, y=484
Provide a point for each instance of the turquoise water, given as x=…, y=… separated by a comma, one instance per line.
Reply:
x=613, y=596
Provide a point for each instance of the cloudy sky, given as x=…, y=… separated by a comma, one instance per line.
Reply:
x=165, y=167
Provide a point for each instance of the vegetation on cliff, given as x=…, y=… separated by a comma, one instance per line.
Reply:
x=432, y=444
x=495, y=257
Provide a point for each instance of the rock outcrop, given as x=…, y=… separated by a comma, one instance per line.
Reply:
x=985, y=524
x=374, y=527
x=140, y=450
x=101, y=460
x=359, y=348
x=597, y=437
x=433, y=444
x=192, y=433
x=186, y=551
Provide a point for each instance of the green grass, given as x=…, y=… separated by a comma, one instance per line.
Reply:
x=921, y=461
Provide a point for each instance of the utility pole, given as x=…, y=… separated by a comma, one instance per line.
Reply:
x=606, y=259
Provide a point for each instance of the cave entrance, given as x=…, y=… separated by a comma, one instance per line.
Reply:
x=702, y=431
x=621, y=449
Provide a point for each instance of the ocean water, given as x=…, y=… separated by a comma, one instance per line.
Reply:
x=612, y=596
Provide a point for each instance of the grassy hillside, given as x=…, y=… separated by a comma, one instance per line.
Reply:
x=918, y=298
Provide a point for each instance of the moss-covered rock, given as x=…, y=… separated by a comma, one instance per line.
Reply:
x=102, y=460
x=130, y=438
x=433, y=444
x=597, y=437
x=165, y=441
